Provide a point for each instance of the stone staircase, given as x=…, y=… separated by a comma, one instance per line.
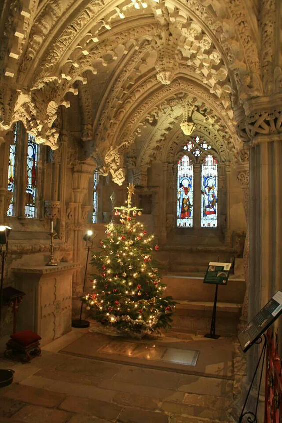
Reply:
x=195, y=303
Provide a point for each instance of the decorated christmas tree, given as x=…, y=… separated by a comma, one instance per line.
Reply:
x=127, y=290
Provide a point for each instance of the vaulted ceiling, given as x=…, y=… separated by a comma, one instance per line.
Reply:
x=138, y=68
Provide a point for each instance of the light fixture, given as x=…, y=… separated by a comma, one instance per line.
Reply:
x=4, y=234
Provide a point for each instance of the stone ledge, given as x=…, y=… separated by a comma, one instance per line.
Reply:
x=42, y=270
x=201, y=305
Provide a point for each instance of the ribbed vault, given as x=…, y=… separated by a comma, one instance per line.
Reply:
x=133, y=57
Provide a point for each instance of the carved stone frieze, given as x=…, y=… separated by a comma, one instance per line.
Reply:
x=85, y=102
x=267, y=21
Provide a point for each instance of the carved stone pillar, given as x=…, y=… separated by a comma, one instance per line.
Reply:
x=162, y=228
x=243, y=176
x=263, y=130
x=77, y=215
x=5, y=195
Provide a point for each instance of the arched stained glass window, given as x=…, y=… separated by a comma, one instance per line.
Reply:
x=95, y=198
x=185, y=185
x=209, y=186
x=12, y=170
x=31, y=187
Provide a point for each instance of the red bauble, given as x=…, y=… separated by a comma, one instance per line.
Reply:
x=157, y=247
x=139, y=286
x=115, y=290
x=117, y=302
x=104, y=267
x=104, y=275
x=129, y=219
x=145, y=232
x=123, y=238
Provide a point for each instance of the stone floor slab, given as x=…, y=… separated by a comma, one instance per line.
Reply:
x=127, y=399
x=157, y=393
x=80, y=390
x=101, y=409
x=35, y=414
x=82, y=418
x=8, y=406
x=205, y=385
x=36, y=396
x=134, y=415
x=148, y=377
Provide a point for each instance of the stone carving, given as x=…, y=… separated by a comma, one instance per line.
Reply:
x=166, y=60
x=243, y=177
x=267, y=26
x=52, y=209
x=158, y=97
x=87, y=113
x=264, y=122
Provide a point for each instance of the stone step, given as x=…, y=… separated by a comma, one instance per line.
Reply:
x=192, y=288
x=195, y=317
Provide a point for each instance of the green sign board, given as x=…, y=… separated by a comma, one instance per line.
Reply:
x=217, y=273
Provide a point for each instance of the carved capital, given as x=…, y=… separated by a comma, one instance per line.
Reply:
x=262, y=120
x=52, y=209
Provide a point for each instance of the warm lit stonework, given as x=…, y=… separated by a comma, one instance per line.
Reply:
x=183, y=99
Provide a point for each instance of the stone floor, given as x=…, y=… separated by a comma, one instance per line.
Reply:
x=59, y=388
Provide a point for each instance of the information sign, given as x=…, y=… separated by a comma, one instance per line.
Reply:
x=258, y=325
x=217, y=273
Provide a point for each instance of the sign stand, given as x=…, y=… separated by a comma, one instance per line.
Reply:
x=212, y=331
x=254, y=334
x=217, y=274
x=253, y=415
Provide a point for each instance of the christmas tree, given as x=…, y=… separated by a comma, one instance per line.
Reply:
x=127, y=289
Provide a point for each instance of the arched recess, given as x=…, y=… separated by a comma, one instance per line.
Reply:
x=164, y=164
x=124, y=126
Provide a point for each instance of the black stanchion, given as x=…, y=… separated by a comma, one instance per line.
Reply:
x=81, y=323
x=213, y=321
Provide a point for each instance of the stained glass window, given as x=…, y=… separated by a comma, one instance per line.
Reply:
x=95, y=198
x=12, y=170
x=209, y=186
x=185, y=193
x=31, y=187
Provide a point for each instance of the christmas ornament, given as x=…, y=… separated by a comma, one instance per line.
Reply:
x=126, y=294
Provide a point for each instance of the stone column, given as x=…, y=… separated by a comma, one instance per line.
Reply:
x=162, y=228
x=263, y=131
x=79, y=213
x=5, y=195
x=243, y=176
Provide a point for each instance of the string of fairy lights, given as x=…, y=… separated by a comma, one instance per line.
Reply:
x=127, y=291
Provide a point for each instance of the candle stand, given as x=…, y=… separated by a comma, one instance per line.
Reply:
x=52, y=261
